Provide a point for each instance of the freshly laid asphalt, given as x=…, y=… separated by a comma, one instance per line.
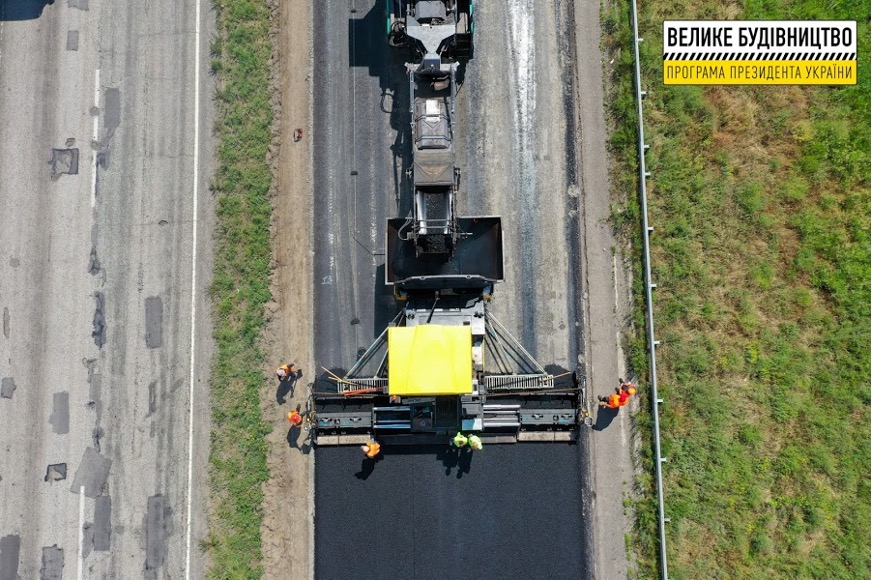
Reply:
x=509, y=511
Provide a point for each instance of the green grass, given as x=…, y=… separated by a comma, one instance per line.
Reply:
x=760, y=197
x=240, y=288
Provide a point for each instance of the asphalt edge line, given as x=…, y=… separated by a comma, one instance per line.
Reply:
x=80, y=559
x=196, y=172
x=310, y=170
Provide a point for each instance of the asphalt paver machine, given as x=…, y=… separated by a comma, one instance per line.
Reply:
x=445, y=364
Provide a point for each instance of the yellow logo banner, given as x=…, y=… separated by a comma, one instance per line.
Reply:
x=759, y=52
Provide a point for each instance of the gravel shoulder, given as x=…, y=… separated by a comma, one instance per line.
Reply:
x=607, y=306
x=288, y=520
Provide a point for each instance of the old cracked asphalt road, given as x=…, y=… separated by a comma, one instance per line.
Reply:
x=518, y=509
x=97, y=290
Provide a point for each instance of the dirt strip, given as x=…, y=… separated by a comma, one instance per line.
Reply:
x=608, y=299
x=288, y=518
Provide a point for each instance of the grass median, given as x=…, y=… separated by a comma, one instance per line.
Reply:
x=240, y=60
x=760, y=200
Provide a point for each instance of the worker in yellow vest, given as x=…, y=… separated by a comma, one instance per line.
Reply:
x=459, y=440
x=475, y=442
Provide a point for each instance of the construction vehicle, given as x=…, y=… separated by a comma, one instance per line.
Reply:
x=445, y=364
x=434, y=28
x=438, y=34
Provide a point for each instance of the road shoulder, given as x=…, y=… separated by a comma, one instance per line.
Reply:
x=606, y=308
x=287, y=529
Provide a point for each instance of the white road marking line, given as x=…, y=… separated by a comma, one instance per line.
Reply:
x=80, y=558
x=94, y=139
x=193, y=290
x=615, y=278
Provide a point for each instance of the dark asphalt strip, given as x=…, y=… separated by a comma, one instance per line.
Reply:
x=510, y=511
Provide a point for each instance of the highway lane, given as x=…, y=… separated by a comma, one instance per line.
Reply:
x=516, y=150
x=361, y=96
x=430, y=513
x=96, y=282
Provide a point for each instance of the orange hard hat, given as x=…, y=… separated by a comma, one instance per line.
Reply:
x=632, y=390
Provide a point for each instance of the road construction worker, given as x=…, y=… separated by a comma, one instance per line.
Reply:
x=286, y=371
x=475, y=442
x=626, y=391
x=611, y=402
x=294, y=418
x=371, y=449
x=459, y=440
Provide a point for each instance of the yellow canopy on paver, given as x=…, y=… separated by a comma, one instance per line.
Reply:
x=429, y=360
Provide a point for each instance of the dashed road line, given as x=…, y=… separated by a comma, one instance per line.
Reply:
x=79, y=557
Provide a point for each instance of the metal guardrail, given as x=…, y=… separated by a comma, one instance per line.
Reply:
x=652, y=343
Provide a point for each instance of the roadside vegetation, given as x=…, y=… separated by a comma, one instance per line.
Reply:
x=240, y=56
x=760, y=197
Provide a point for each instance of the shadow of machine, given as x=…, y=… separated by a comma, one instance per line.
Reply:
x=22, y=9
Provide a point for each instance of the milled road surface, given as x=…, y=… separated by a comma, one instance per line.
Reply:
x=96, y=269
x=358, y=176
x=516, y=141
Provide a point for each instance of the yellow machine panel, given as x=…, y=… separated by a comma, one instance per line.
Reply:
x=429, y=360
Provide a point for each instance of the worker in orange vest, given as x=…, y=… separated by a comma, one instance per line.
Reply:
x=611, y=402
x=620, y=398
x=371, y=449
x=625, y=391
x=294, y=418
x=285, y=372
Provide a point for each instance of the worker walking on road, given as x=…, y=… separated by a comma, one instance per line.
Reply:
x=611, y=402
x=620, y=398
x=295, y=418
x=371, y=449
x=475, y=442
x=285, y=372
x=625, y=391
x=459, y=440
